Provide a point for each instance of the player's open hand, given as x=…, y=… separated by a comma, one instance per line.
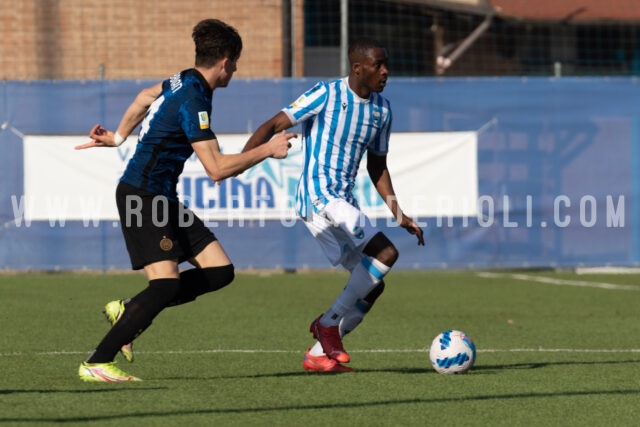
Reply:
x=100, y=137
x=413, y=228
x=280, y=144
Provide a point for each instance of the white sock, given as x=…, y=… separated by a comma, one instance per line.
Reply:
x=364, y=277
x=316, y=350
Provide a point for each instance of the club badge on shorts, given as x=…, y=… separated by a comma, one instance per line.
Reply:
x=166, y=244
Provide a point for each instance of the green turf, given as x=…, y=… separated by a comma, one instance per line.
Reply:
x=548, y=354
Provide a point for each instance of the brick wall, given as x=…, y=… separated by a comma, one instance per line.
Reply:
x=129, y=39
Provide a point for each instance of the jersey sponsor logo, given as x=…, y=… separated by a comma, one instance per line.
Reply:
x=203, y=118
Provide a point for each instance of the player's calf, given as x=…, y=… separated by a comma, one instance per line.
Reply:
x=200, y=281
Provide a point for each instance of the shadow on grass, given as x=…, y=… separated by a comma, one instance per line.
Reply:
x=101, y=390
x=427, y=370
x=538, y=365
x=315, y=407
x=302, y=373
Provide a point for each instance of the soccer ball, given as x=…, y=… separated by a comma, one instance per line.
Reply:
x=452, y=352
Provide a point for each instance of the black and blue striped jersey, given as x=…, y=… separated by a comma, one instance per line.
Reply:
x=179, y=117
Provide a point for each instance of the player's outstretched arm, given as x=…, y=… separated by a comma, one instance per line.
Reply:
x=265, y=131
x=379, y=173
x=101, y=137
x=221, y=166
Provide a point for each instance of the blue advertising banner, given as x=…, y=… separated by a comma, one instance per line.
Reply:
x=557, y=173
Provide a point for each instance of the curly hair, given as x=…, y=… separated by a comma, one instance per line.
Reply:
x=214, y=41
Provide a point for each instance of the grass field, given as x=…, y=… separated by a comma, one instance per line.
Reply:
x=554, y=349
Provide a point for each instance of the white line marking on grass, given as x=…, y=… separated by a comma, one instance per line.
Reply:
x=552, y=281
x=408, y=350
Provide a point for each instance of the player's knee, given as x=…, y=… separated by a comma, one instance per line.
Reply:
x=164, y=289
x=381, y=248
x=219, y=277
x=389, y=255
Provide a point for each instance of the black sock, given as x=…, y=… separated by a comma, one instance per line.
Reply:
x=199, y=281
x=373, y=295
x=137, y=316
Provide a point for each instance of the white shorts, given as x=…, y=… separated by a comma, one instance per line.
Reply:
x=342, y=230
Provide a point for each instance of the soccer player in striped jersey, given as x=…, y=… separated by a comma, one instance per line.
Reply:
x=341, y=121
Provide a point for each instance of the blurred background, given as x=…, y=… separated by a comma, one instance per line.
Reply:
x=548, y=90
x=120, y=39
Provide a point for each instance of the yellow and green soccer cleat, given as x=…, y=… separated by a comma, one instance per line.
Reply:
x=113, y=311
x=104, y=373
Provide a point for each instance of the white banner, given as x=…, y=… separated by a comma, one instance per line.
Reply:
x=433, y=174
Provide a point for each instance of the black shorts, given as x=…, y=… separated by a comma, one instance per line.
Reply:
x=157, y=229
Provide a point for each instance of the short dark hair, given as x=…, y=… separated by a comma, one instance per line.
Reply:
x=214, y=41
x=359, y=48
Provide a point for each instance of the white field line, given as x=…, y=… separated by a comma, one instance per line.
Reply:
x=552, y=281
x=262, y=351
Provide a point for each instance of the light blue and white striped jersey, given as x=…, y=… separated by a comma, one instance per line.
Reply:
x=338, y=127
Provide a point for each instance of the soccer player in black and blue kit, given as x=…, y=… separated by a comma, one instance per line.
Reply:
x=160, y=233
